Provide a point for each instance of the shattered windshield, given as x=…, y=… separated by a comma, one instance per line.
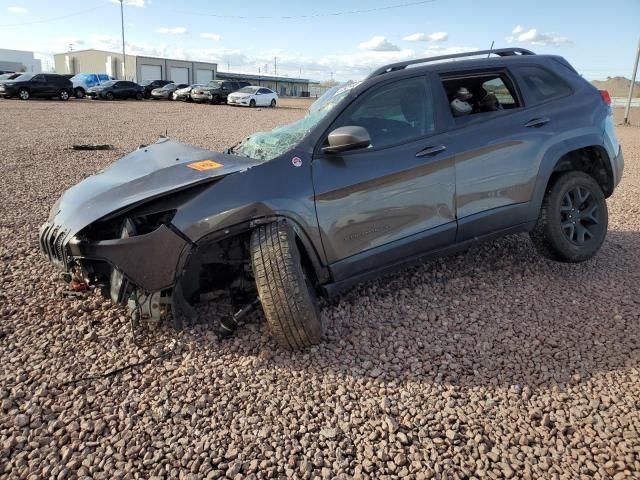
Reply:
x=268, y=145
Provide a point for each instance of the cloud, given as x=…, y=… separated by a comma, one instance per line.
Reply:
x=15, y=9
x=132, y=3
x=534, y=37
x=379, y=44
x=427, y=37
x=211, y=36
x=173, y=30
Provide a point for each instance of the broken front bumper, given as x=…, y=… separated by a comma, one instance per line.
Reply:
x=149, y=261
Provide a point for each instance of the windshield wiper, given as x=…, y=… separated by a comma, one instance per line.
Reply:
x=232, y=150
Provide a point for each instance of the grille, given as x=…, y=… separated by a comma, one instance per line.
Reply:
x=52, y=244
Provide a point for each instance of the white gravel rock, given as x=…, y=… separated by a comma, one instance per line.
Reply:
x=493, y=363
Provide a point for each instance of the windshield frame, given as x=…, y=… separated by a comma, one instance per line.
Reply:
x=24, y=77
x=249, y=89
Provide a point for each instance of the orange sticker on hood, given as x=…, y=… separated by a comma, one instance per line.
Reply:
x=205, y=165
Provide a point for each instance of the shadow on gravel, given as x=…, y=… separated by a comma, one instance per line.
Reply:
x=496, y=315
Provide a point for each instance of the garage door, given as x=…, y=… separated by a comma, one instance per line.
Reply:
x=150, y=72
x=179, y=74
x=204, y=76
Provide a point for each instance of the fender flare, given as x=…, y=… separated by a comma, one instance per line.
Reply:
x=551, y=158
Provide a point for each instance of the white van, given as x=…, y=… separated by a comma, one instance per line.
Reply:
x=84, y=81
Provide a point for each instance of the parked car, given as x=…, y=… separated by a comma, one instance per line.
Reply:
x=380, y=174
x=185, y=93
x=9, y=76
x=216, y=91
x=166, y=92
x=84, y=81
x=40, y=85
x=253, y=97
x=120, y=89
x=150, y=85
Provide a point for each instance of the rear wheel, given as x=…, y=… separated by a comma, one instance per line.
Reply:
x=109, y=96
x=79, y=92
x=24, y=94
x=286, y=291
x=139, y=96
x=573, y=219
x=63, y=95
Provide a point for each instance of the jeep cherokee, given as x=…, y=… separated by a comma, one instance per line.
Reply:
x=379, y=174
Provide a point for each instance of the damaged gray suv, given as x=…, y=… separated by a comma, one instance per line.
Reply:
x=420, y=159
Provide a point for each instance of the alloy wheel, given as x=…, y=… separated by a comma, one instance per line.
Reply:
x=579, y=214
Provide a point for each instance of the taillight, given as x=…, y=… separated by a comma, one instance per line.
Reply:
x=606, y=98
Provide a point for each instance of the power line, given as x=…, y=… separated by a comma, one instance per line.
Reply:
x=313, y=15
x=54, y=19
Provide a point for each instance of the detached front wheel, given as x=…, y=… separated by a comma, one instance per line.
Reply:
x=286, y=291
x=573, y=219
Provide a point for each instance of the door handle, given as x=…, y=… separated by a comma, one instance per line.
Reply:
x=537, y=122
x=430, y=151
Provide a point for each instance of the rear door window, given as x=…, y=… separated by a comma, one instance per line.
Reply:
x=478, y=93
x=542, y=83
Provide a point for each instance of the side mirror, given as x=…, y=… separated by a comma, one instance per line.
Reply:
x=347, y=138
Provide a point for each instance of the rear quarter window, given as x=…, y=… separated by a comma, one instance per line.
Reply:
x=542, y=83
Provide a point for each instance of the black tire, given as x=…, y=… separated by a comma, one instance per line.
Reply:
x=252, y=103
x=23, y=94
x=215, y=100
x=139, y=96
x=79, y=92
x=573, y=219
x=288, y=299
x=147, y=95
x=63, y=95
x=273, y=103
x=109, y=96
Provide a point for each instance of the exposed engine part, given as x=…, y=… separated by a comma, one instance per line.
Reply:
x=76, y=286
x=147, y=311
x=229, y=325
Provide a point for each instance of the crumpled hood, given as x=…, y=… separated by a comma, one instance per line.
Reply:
x=147, y=173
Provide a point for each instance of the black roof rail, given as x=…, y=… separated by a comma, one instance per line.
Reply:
x=501, y=52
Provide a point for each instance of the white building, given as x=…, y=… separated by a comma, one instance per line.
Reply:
x=18, y=61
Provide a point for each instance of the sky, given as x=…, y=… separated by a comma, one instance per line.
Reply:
x=340, y=39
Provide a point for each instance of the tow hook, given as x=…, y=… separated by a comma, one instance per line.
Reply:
x=229, y=325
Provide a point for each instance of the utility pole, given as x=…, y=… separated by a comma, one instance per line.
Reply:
x=332, y=76
x=633, y=84
x=275, y=71
x=124, y=56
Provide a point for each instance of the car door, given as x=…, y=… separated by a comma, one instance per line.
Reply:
x=395, y=199
x=261, y=97
x=227, y=88
x=496, y=153
x=39, y=86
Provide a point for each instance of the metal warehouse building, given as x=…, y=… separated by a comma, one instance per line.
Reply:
x=293, y=87
x=138, y=68
x=19, y=61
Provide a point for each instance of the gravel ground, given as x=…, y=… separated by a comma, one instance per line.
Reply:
x=494, y=363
